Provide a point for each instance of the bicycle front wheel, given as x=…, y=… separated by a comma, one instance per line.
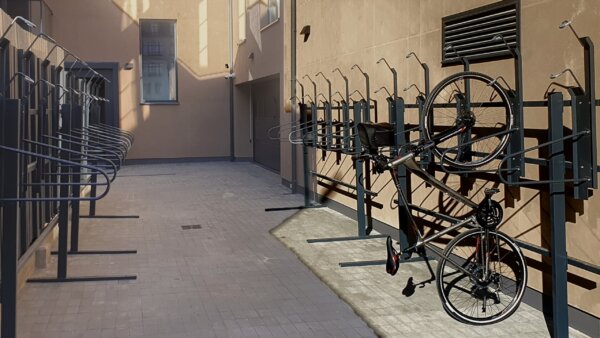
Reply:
x=468, y=117
x=492, y=281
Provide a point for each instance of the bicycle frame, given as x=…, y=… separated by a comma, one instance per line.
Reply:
x=408, y=161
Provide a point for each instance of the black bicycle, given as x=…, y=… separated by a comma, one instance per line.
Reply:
x=482, y=274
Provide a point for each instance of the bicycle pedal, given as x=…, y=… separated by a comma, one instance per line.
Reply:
x=393, y=260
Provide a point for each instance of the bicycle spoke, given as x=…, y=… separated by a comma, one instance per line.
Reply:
x=482, y=297
x=483, y=112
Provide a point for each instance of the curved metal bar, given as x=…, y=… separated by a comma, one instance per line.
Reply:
x=566, y=70
x=545, y=144
x=104, y=135
x=394, y=77
x=295, y=126
x=58, y=199
x=359, y=93
x=49, y=146
x=111, y=134
x=51, y=40
x=569, y=24
x=12, y=23
x=414, y=86
x=111, y=145
x=513, y=50
x=444, y=168
x=86, y=133
x=87, y=145
x=108, y=126
x=386, y=90
x=425, y=70
x=114, y=146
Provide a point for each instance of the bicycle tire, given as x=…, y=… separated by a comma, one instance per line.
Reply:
x=439, y=117
x=481, y=302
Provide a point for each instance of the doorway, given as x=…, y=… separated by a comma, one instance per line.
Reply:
x=265, y=115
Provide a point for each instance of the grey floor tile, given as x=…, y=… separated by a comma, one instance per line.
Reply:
x=230, y=277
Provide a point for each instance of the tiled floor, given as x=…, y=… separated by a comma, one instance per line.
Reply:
x=229, y=278
x=404, y=305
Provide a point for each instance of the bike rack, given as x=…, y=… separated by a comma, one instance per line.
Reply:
x=583, y=166
x=42, y=167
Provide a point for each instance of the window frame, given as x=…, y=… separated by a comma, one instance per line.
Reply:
x=271, y=21
x=242, y=40
x=174, y=101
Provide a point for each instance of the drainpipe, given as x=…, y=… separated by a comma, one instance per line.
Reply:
x=293, y=90
x=231, y=79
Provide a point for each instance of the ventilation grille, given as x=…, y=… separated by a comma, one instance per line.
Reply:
x=470, y=34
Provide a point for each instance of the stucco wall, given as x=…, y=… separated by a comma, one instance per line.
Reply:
x=266, y=45
x=360, y=32
x=198, y=126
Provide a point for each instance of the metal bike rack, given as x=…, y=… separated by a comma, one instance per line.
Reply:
x=42, y=168
x=582, y=166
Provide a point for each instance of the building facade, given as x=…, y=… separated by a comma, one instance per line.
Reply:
x=208, y=79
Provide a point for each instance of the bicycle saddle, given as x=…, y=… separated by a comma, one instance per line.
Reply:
x=393, y=261
x=375, y=135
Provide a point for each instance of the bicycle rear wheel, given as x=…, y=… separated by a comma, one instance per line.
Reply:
x=470, y=108
x=490, y=292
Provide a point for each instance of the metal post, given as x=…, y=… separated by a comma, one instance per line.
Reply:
x=10, y=216
x=360, y=189
x=76, y=119
x=328, y=125
x=231, y=91
x=558, y=251
x=425, y=159
x=590, y=91
x=582, y=147
x=63, y=206
x=397, y=118
x=346, y=132
x=305, y=166
x=293, y=79
x=518, y=144
x=93, y=192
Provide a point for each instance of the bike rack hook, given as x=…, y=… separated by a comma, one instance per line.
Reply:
x=568, y=23
x=566, y=70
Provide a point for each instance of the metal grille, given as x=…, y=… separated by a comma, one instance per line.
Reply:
x=471, y=34
x=191, y=227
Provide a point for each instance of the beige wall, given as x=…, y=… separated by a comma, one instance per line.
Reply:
x=107, y=30
x=346, y=32
x=267, y=46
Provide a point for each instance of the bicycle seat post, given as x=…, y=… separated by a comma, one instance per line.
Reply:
x=489, y=192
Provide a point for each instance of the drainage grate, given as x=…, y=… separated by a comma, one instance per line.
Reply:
x=471, y=33
x=191, y=227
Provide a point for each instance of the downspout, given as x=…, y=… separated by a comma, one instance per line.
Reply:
x=231, y=79
x=293, y=90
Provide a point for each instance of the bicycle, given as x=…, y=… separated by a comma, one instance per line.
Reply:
x=482, y=274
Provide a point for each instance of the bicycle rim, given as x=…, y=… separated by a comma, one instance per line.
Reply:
x=482, y=111
x=476, y=298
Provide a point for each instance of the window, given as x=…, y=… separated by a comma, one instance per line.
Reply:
x=159, y=61
x=269, y=12
x=241, y=20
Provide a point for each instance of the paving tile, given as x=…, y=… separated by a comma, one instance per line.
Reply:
x=388, y=304
x=230, y=277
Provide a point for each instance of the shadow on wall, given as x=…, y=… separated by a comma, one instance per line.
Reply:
x=195, y=126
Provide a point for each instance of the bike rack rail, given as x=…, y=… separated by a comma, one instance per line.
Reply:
x=44, y=168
